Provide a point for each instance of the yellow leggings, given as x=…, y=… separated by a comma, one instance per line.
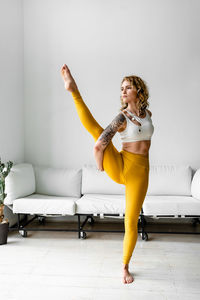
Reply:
x=123, y=167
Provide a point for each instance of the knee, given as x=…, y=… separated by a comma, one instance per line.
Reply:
x=131, y=223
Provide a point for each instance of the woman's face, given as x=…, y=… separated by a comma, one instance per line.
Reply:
x=128, y=92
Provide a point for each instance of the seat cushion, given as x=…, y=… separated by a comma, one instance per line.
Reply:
x=43, y=204
x=20, y=182
x=171, y=205
x=101, y=203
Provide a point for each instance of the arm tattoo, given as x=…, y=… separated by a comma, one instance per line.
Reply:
x=108, y=133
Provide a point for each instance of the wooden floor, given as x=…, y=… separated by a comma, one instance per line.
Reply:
x=58, y=265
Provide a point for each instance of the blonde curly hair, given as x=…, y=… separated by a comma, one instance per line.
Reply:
x=142, y=93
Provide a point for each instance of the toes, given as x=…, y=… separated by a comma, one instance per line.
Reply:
x=129, y=279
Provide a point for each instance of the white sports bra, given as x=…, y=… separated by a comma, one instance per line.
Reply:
x=133, y=132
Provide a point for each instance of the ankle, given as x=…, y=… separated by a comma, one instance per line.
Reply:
x=75, y=92
x=125, y=266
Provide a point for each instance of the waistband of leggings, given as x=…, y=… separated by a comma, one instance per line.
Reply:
x=135, y=156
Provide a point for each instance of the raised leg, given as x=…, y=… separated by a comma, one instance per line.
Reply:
x=113, y=159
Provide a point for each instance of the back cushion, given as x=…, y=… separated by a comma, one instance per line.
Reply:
x=58, y=181
x=20, y=182
x=195, y=185
x=163, y=180
x=97, y=182
x=170, y=180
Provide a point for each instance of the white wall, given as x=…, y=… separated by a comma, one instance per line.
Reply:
x=102, y=41
x=11, y=81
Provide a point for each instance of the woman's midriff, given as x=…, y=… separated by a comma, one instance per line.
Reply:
x=138, y=147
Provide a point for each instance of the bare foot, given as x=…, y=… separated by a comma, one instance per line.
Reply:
x=127, y=277
x=70, y=84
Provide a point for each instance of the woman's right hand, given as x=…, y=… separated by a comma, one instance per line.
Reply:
x=101, y=169
x=98, y=154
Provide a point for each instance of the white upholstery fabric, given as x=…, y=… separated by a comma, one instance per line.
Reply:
x=195, y=185
x=171, y=205
x=43, y=204
x=97, y=182
x=56, y=191
x=58, y=181
x=170, y=180
x=20, y=182
x=100, y=203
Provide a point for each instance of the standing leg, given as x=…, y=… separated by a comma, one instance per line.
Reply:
x=136, y=188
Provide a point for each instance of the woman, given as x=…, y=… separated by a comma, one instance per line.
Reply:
x=130, y=166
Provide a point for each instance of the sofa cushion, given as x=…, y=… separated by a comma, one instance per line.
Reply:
x=170, y=180
x=43, y=204
x=100, y=203
x=58, y=181
x=20, y=182
x=195, y=185
x=171, y=206
x=97, y=182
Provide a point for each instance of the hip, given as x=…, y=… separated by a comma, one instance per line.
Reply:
x=132, y=160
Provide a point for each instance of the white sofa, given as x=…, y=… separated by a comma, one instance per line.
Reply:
x=45, y=191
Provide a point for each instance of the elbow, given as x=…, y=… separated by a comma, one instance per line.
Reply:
x=99, y=146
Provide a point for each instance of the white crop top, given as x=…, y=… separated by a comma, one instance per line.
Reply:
x=133, y=132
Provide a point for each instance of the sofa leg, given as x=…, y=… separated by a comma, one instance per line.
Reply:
x=91, y=220
x=143, y=223
x=18, y=221
x=79, y=224
x=82, y=234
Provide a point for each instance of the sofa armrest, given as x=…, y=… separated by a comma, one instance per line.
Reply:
x=195, y=185
x=20, y=182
